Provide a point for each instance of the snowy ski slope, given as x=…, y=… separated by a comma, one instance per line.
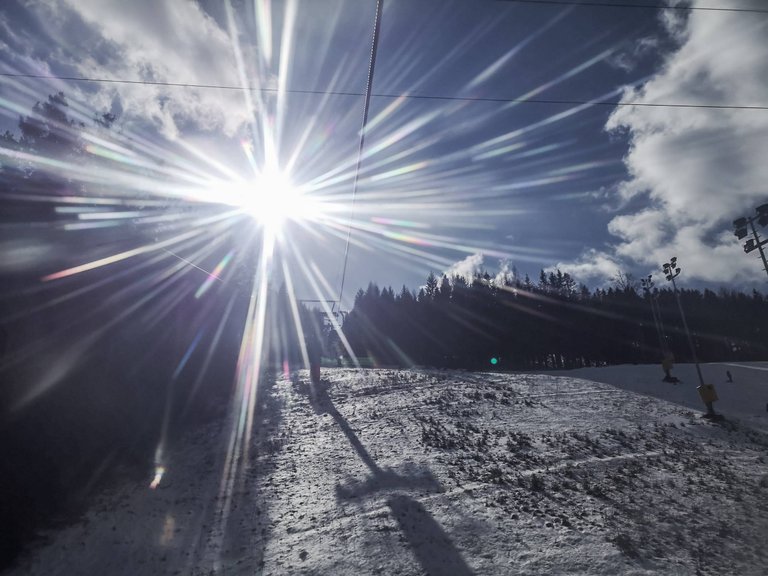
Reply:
x=447, y=472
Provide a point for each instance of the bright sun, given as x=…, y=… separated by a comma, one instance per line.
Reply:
x=274, y=200
x=271, y=199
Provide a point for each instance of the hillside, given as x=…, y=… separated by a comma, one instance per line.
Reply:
x=745, y=397
x=439, y=472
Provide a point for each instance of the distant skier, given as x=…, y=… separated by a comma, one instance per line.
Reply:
x=666, y=365
x=728, y=374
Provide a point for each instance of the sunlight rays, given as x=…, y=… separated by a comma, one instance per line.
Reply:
x=127, y=254
x=403, y=172
x=169, y=234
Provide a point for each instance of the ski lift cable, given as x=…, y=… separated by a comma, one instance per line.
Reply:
x=361, y=145
x=656, y=6
x=404, y=95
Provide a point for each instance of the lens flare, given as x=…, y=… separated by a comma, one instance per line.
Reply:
x=177, y=239
x=271, y=199
x=159, y=473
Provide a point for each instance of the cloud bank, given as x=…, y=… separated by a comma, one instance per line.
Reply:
x=466, y=268
x=693, y=170
x=139, y=40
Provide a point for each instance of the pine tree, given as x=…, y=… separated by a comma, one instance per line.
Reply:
x=430, y=289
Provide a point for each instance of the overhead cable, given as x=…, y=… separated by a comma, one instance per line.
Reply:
x=368, y=95
x=686, y=8
x=366, y=108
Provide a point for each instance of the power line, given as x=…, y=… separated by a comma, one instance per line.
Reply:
x=366, y=107
x=144, y=82
x=647, y=6
x=571, y=102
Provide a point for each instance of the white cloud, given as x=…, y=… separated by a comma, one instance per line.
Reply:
x=629, y=58
x=592, y=265
x=694, y=169
x=466, y=268
x=504, y=274
x=149, y=40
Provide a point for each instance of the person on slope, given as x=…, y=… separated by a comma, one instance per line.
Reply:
x=666, y=365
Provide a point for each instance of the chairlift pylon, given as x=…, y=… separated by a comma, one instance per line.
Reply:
x=339, y=315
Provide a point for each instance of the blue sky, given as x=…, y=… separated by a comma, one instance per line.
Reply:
x=450, y=183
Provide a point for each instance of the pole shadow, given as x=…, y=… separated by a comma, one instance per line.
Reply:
x=430, y=544
x=378, y=478
x=432, y=547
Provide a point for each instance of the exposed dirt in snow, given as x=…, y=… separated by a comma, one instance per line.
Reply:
x=440, y=472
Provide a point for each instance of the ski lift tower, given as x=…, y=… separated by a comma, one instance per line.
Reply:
x=328, y=311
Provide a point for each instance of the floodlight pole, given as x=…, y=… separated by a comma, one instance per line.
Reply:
x=688, y=333
x=758, y=243
x=673, y=272
x=740, y=231
x=647, y=284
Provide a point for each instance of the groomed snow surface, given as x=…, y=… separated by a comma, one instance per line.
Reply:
x=450, y=472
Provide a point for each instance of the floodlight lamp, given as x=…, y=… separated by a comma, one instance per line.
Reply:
x=740, y=223
x=763, y=219
x=677, y=271
x=673, y=261
x=749, y=246
x=762, y=209
x=741, y=232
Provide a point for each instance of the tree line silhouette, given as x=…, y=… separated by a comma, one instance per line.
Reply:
x=514, y=323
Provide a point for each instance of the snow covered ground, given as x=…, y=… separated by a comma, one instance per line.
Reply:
x=745, y=398
x=448, y=472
